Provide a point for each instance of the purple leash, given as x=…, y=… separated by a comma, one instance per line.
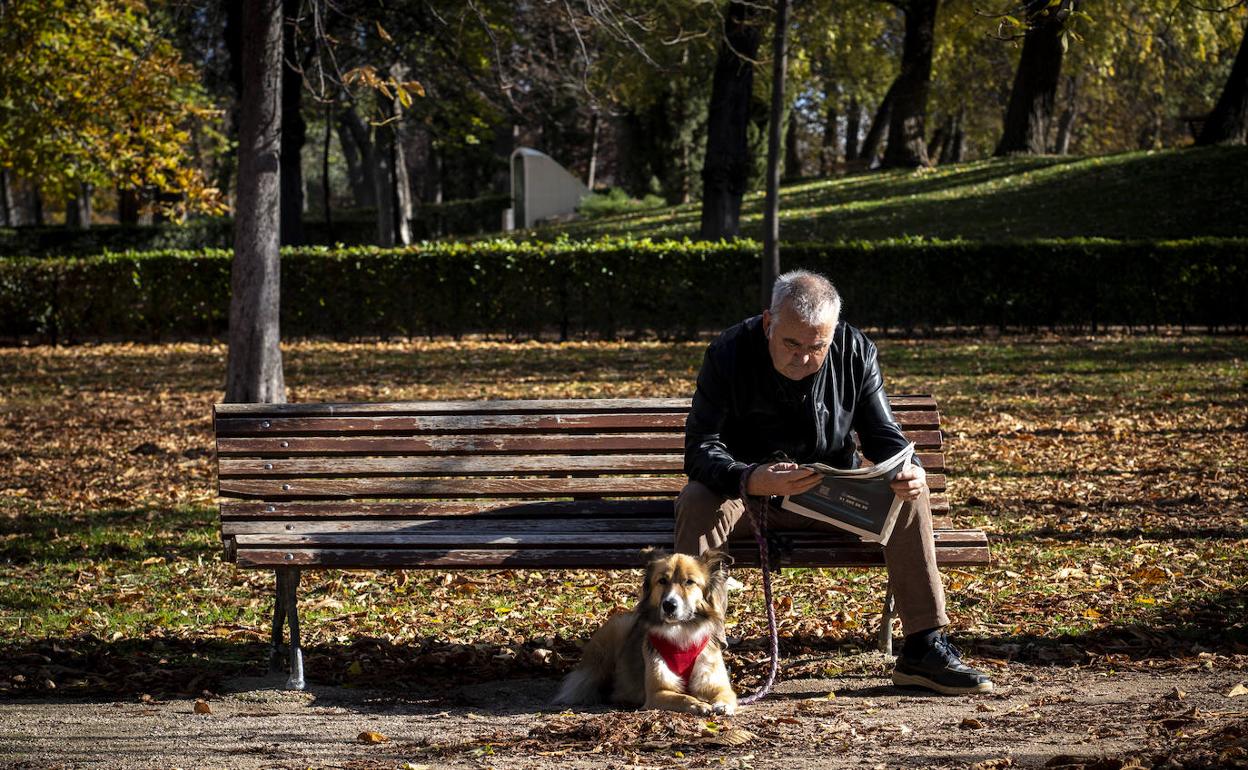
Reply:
x=757, y=511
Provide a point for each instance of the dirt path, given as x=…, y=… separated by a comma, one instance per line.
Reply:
x=1098, y=718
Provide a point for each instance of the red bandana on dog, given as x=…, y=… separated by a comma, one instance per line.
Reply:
x=679, y=659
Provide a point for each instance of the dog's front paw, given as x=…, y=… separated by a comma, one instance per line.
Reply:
x=724, y=709
x=701, y=708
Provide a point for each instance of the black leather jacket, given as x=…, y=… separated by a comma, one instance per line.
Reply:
x=744, y=411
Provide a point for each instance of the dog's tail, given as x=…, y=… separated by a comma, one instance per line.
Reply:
x=582, y=687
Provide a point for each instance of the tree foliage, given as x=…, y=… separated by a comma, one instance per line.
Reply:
x=92, y=94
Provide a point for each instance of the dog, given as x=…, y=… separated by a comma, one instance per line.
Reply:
x=667, y=653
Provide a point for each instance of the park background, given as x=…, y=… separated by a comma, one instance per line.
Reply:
x=1038, y=210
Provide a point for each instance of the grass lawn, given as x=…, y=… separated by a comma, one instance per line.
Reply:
x=1167, y=194
x=1111, y=469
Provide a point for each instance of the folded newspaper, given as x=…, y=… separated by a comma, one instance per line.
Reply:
x=859, y=500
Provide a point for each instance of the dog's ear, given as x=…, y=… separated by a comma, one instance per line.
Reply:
x=717, y=564
x=654, y=557
x=716, y=560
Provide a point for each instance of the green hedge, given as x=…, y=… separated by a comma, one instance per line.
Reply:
x=204, y=233
x=633, y=288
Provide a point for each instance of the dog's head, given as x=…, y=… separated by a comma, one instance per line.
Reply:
x=679, y=588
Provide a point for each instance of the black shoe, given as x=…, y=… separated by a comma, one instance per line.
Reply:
x=940, y=668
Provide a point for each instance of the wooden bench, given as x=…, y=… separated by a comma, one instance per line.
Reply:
x=489, y=485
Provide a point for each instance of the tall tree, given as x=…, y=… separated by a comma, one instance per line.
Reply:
x=254, y=366
x=1032, y=101
x=726, y=171
x=1228, y=123
x=294, y=127
x=907, y=132
x=771, y=209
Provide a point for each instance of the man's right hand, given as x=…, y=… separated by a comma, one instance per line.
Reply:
x=781, y=479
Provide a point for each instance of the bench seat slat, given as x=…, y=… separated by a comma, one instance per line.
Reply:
x=619, y=486
x=566, y=509
x=898, y=402
x=847, y=554
x=450, y=466
x=447, y=526
x=656, y=534
x=501, y=444
x=613, y=486
x=490, y=423
x=465, y=539
x=454, y=423
x=515, y=406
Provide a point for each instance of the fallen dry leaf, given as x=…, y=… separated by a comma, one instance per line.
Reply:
x=1237, y=691
x=202, y=707
x=371, y=736
x=970, y=723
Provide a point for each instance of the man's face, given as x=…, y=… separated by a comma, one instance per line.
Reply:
x=797, y=348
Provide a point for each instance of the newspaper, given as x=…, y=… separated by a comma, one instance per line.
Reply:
x=859, y=500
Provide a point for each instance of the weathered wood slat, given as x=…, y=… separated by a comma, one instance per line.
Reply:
x=491, y=423
x=452, y=445
x=900, y=402
x=466, y=509
x=501, y=444
x=448, y=526
x=611, y=486
x=462, y=424
x=559, y=558
x=467, y=539
x=516, y=406
x=619, y=486
x=450, y=466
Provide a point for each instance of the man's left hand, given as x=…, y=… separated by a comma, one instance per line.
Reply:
x=910, y=482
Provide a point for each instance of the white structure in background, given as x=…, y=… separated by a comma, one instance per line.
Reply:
x=540, y=189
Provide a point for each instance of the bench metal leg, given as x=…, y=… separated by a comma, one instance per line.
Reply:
x=279, y=620
x=295, y=682
x=886, y=623
x=286, y=612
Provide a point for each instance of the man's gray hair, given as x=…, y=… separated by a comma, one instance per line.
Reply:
x=810, y=295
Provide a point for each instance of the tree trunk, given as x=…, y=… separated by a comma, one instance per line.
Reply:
x=1228, y=123
x=593, y=151
x=7, y=217
x=853, y=127
x=940, y=138
x=400, y=184
x=907, y=131
x=294, y=131
x=254, y=367
x=36, y=204
x=129, y=202
x=1066, y=123
x=870, y=149
x=78, y=209
x=326, y=190
x=771, y=210
x=792, y=149
x=831, y=151
x=359, y=158
x=383, y=187
x=1030, y=111
x=957, y=142
x=726, y=170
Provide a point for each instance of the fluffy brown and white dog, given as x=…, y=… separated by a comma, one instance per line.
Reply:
x=668, y=652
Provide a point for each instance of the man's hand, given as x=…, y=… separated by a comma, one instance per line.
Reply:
x=909, y=484
x=781, y=479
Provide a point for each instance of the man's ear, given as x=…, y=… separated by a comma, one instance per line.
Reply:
x=767, y=323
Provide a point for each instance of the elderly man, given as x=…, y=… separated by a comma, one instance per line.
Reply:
x=792, y=383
